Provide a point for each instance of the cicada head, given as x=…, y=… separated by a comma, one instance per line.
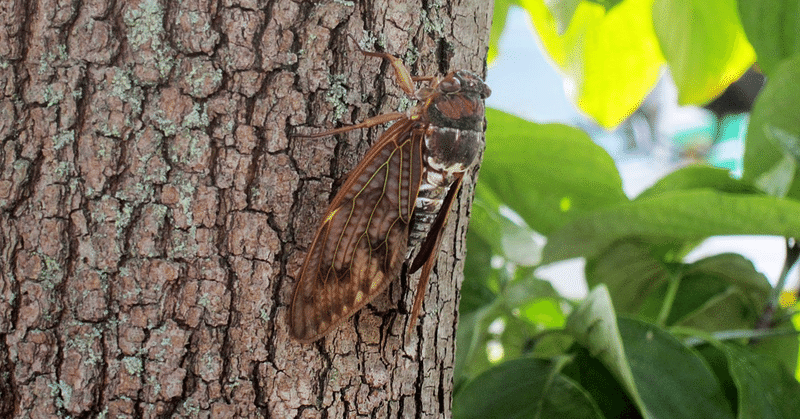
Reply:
x=457, y=101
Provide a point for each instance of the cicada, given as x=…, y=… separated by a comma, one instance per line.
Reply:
x=394, y=203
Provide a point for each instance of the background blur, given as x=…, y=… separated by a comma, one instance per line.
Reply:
x=526, y=84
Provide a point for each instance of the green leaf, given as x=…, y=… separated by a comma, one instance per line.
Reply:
x=663, y=377
x=773, y=27
x=673, y=380
x=704, y=44
x=471, y=338
x=480, y=282
x=766, y=389
x=607, y=3
x=610, y=57
x=485, y=219
x=600, y=383
x=529, y=288
x=675, y=217
x=778, y=180
x=524, y=388
x=562, y=12
x=734, y=270
x=594, y=325
x=774, y=127
x=698, y=177
x=717, y=359
x=722, y=292
x=724, y=309
x=517, y=337
x=517, y=243
x=630, y=272
x=498, y=24
x=783, y=348
x=546, y=173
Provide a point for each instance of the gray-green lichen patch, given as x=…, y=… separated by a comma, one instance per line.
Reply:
x=405, y=103
x=52, y=274
x=63, y=170
x=88, y=293
x=412, y=55
x=431, y=23
x=146, y=36
x=178, y=194
x=183, y=243
x=192, y=30
x=115, y=104
x=122, y=87
x=197, y=118
x=132, y=365
x=199, y=77
x=369, y=40
x=337, y=92
x=145, y=24
x=123, y=219
x=61, y=392
x=171, y=112
x=52, y=95
x=166, y=125
x=63, y=139
x=165, y=350
x=86, y=343
x=102, y=249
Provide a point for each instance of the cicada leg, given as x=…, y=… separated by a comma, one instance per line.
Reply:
x=367, y=123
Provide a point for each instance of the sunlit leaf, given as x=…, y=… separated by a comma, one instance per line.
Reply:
x=610, y=57
x=562, y=12
x=498, y=24
x=607, y=3
x=704, y=44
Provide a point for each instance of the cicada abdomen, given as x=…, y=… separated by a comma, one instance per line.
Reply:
x=393, y=204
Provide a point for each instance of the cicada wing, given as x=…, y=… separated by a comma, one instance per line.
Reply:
x=361, y=245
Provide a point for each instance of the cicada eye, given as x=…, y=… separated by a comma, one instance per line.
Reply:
x=450, y=85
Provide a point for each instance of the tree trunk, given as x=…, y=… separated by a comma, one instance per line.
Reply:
x=155, y=209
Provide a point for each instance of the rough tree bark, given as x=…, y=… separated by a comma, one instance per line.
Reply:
x=154, y=209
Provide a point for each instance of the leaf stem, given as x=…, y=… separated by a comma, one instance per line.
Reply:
x=792, y=254
x=669, y=299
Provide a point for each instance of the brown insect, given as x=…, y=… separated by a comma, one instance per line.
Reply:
x=395, y=201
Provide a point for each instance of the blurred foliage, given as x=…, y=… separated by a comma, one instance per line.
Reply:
x=613, y=51
x=657, y=337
